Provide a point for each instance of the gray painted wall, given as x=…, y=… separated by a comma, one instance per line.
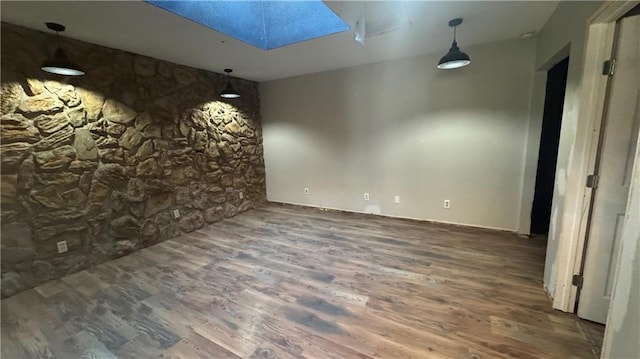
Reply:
x=405, y=128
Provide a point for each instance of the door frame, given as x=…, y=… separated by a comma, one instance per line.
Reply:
x=599, y=44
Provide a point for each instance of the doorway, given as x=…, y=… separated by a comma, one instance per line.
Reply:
x=548, y=152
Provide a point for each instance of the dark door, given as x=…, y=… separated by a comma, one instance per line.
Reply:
x=548, y=153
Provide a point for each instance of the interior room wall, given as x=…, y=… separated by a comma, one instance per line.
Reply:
x=623, y=321
x=404, y=128
x=102, y=161
x=563, y=34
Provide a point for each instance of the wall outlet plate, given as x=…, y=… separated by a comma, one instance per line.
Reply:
x=366, y=196
x=62, y=246
x=396, y=199
x=306, y=190
x=176, y=213
x=447, y=204
x=241, y=195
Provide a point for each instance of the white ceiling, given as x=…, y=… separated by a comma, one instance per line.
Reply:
x=416, y=27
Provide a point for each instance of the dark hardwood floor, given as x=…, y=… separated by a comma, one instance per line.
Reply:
x=295, y=282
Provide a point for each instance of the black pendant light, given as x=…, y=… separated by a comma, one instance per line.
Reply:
x=60, y=63
x=454, y=58
x=229, y=91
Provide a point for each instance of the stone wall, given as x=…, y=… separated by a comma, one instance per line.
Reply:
x=102, y=160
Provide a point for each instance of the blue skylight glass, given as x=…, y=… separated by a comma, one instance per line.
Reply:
x=263, y=24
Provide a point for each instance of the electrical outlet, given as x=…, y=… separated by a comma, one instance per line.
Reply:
x=306, y=190
x=62, y=246
x=447, y=204
x=396, y=199
x=241, y=195
x=176, y=213
x=366, y=196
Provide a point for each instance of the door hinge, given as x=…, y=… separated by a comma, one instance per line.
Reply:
x=577, y=280
x=609, y=67
x=592, y=181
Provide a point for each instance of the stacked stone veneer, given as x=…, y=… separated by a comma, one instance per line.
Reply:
x=100, y=161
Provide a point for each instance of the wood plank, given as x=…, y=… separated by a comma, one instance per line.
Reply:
x=92, y=348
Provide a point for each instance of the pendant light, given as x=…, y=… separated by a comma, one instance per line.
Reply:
x=60, y=63
x=454, y=58
x=229, y=91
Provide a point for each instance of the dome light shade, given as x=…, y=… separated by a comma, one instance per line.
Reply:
x=60, y=63
x=455, y=58
x=229, y=92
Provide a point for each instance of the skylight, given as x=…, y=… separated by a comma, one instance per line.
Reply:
x=261, y=23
